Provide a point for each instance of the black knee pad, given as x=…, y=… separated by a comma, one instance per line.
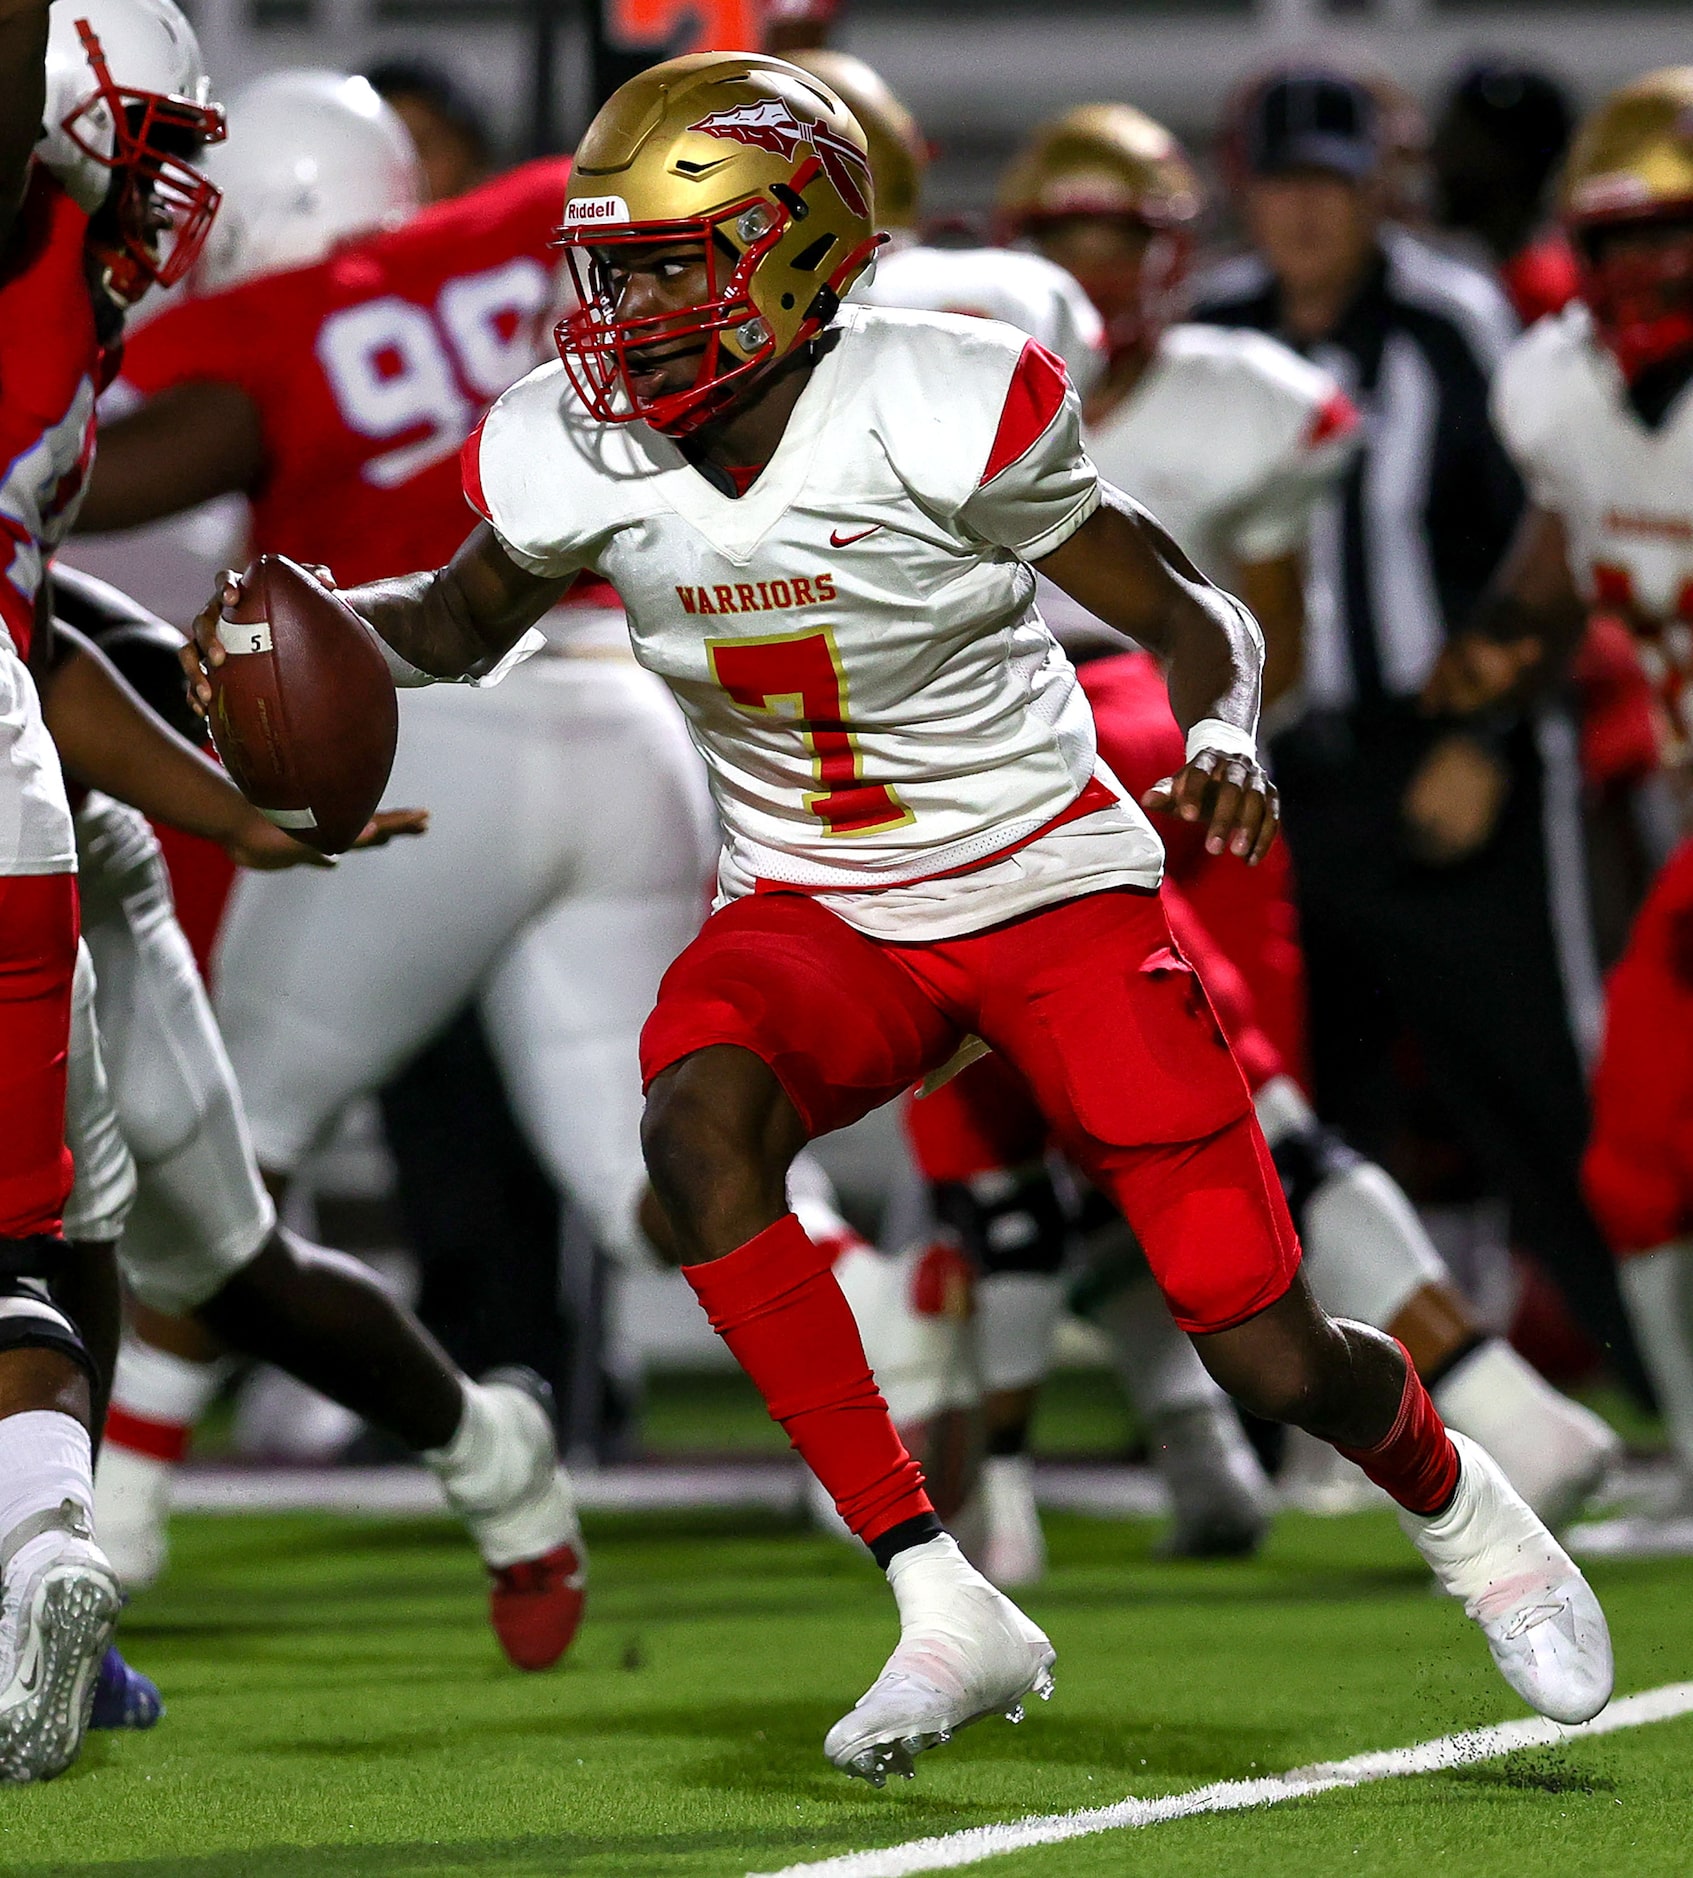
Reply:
x=1005, y=1222
x=29, y=1318
x=1306, y=1160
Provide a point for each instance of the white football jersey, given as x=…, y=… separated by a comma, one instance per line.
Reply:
x=1025, y=290
x=1230, y=439
x=1623, y=492
x=853, y=642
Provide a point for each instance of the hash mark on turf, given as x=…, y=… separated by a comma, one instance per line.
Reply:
x=948, y=1851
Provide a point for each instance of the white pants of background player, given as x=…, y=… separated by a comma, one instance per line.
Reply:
x=570, y=846
x=166, y=1094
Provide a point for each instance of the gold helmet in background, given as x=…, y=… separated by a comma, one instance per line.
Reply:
x=1100, y=159
x=899, y=152
x=764, y=169
x=1108, y=194
x=1630, y=170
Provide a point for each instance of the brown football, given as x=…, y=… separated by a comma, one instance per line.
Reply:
x=303, y=710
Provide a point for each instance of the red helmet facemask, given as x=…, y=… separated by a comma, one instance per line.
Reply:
x=158, y=192
x=1641, y=300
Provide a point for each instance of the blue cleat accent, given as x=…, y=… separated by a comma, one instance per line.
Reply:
x=123, y=1697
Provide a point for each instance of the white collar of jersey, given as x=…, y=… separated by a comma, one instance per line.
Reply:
x=736, y=525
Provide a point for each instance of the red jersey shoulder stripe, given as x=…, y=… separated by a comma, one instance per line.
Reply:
x=1033, y=400
x=470, y=472
x=1336, y=416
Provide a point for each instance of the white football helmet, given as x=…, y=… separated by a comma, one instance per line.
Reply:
x=128, y=110
x=312, y=158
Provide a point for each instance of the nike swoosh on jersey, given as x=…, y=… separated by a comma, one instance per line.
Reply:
x=838, y=540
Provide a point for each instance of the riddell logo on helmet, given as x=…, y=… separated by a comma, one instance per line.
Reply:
x=588, y=209
x=771, y=125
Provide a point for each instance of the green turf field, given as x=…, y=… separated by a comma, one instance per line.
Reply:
x=337, y=1707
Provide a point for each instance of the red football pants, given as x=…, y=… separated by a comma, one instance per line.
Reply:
x=1088, y=1001
x=38, y=934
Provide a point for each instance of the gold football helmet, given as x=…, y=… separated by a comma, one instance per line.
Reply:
x=760, y=167
x=899, y=152
x=1100, y=159
x=1627, y=200
x=1084, y=184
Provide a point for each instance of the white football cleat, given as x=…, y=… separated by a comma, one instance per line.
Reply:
x=965, y=1651
x=1539, y=1615
x=1013, y=1548
x=132, y=1513
x=61, y=1600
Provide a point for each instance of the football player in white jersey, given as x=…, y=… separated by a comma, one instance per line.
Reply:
x=821, y=520
x=1231, y=439
x=1596, y=406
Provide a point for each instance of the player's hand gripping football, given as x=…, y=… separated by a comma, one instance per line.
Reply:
x=1229, y=793
x=204, y=652
x=257, y=842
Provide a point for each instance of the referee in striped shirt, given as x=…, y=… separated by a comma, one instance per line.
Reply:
x=1439, y=856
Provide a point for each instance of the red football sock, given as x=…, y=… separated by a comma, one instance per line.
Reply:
x=1417, y=1463
x=776, y=1304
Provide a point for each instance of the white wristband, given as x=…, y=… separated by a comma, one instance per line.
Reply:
x=1211, y=733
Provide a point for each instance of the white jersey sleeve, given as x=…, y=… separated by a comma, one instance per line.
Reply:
x=1231, y=439
x=1530, y=403
x=1310, y=428
x=1038, y=484
x=534, y=470
x=1024, y=290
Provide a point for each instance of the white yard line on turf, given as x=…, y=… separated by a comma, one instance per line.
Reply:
x=950, y=1850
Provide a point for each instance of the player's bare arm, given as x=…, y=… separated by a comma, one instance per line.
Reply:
x=1127, y=571
x=1274, y=590
x=109, y=740
x=188, y=445
x=457, y=621
x=23, y=96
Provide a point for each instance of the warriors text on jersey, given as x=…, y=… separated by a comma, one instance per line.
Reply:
x=1623, y=491
x=369, y=369
x=853, y=642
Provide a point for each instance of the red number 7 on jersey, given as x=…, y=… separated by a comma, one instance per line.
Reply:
x=803, y=671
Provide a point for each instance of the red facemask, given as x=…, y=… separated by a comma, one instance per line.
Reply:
x=164, y=207
x=596, y=346
x=1642, y=302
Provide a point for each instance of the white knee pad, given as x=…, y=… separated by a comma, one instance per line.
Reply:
x=1154, y=1358
x=104, y=1189
x=1366, y=1252
x=1016, y=1318
x=200, y=1211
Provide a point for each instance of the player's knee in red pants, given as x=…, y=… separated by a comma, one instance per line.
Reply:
x=38, y=934
x=1088, y=1001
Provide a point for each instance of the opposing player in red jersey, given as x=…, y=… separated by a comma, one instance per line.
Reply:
x=570, y=840
x=102, y=110
x=821, y=520
x=263, y=1290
